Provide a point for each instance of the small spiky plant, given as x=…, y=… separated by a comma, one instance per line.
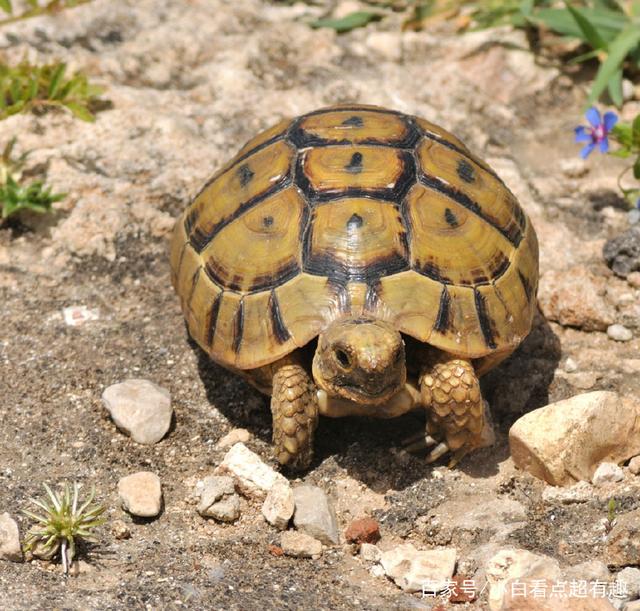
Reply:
x=63, y=522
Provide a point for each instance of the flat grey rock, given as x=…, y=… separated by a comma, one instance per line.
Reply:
x=314, y=514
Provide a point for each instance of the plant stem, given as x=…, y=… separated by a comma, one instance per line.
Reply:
x=65, y=561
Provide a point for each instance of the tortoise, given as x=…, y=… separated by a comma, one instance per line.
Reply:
x=358, y=261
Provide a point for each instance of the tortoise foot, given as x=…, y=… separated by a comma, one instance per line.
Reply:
x=451, y=392
x=294, y=408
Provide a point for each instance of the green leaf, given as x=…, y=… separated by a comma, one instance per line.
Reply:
x=636, y=169
x=350, y=22
x=618, y=50
x=589, y=32
x=56, y=79
x=5, y=5
x=80, y=111
x=614, y=87
x=635, y=132
x=526, y=7
x=608, y=23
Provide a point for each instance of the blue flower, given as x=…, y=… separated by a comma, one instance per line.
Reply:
x=597, y=134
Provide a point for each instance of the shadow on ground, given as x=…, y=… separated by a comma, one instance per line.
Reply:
x=366, y=447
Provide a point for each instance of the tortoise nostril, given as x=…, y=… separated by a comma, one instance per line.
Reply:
x=343, y=358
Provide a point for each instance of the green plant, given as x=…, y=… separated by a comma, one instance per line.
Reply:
x=15, y=196
x=34, y=8
x=30, y=87
x=609, y=28
x=63, y=522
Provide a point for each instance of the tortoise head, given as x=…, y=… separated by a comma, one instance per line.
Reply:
x=361, y=360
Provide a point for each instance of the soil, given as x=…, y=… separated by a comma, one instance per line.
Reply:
x=53, y=426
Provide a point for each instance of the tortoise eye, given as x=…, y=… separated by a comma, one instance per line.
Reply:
x=344, y=360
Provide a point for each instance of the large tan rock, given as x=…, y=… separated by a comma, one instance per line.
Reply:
x=576, y=298
x=516, y=564
x=564, y=442
x=623, y=542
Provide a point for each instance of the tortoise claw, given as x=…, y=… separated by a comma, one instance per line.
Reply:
x=418, y=442
x=440, y=450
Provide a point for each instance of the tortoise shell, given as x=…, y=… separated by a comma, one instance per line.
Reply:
x=354, y=211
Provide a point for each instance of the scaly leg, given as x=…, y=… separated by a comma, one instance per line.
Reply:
x=451, y=392
x=294, y=408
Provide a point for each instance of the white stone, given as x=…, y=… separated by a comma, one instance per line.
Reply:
x=217, y=498
x=370, y=552
x=141, y=494
x=634, y=465
x=279, y=505
x=574, y=167
x=252, y=476
x=619, y=333
x=300, y=545
x=234, y=436
x=314, y=514
x=419, y=570
x=9, y=539
x=140, y=408
x=570, y=365
x=606, y=473
x=75, y=316
x=565, y=441
x=376, y=571
x=513, y=563
x=628, y=580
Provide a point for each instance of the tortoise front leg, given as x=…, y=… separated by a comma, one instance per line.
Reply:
x=451, y=392
x=294, y=408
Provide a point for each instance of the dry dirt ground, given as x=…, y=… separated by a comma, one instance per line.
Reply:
x=188, y=82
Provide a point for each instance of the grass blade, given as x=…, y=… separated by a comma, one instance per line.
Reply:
x=618, y=49
x=350, y=22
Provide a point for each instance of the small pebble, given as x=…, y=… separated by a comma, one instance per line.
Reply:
x=299, y=545
x=120, y=529
x=9, y=539
x=574, y=168
x=218, y=499
x=634, y=465
x=252, y=476
x=634, y=279
x=633, y=216
x=140, y=408
x=364, y=530
x=619, y=333
x=234, y=436
x=570, y=365
x=606, y=473
x=416, y=570
x=141, y=494
x=314, y=514
x=370, y=552
x=278, y=507
x=225, y=510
